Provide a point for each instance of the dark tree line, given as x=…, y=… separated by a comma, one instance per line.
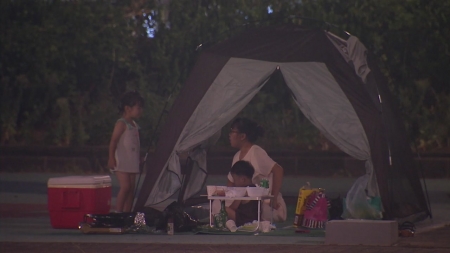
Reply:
x=65, y=63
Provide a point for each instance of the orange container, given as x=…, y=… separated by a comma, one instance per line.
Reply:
x=70, y=198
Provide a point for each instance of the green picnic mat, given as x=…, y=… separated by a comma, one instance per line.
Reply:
x=285, y=228
x=284, y=231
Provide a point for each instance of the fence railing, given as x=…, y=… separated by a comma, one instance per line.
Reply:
x=295, y=163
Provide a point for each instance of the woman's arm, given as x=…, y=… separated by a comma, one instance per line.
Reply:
x=235, y=204
x=277, y=179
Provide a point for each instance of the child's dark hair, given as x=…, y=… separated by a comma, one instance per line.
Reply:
x=249, y=128
x=131, y=99
x=243, y=168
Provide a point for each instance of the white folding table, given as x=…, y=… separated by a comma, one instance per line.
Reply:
x=259, y=199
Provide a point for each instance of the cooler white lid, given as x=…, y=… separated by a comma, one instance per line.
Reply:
x=69, y=181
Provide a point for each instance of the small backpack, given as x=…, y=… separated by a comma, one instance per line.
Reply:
x=316, y=213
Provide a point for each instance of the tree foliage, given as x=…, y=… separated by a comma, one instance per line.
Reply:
x=412, y=40
x=64, y=64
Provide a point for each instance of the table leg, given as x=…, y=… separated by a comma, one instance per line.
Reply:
x=210, y=213
x=259, y=215
x=271, y=214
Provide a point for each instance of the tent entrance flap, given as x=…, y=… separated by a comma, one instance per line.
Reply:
x=236, y=84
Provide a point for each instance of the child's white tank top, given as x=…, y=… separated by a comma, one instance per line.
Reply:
x=128, y=149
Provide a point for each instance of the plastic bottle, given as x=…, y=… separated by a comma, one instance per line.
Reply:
x=170, y=227
x=264, y=183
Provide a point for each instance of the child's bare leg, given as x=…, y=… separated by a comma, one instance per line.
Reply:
x=124, y=183
x=130, y=197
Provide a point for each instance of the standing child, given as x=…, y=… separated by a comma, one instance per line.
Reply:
x=124, y=149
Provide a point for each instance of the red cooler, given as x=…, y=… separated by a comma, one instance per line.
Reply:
x=70, y=198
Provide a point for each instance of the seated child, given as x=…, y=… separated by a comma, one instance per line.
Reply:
x=243, y=211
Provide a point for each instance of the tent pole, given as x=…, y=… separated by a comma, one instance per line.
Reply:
x=424, y=183
x=328, y=26
x=186, y=177
x=152, y=139
x=390, y=182
x=142, y=165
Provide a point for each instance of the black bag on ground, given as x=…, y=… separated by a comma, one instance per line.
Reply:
x=336, y=208
x=183, y=222
x=110, y=220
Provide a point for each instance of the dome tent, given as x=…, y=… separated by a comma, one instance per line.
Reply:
x=334, y=82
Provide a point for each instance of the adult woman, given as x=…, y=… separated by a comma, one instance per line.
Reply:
x=244, y=132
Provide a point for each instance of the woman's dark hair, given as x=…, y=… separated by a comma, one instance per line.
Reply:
x=130, y=99
x=243, y=168
x=249, y=128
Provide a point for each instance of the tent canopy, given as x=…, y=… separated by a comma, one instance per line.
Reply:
x=334, y=82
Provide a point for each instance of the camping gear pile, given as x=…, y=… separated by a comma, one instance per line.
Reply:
x=111, y=223
x=151, y=222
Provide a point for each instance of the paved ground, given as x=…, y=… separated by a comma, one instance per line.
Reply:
x=436, y=240
x=25, y=226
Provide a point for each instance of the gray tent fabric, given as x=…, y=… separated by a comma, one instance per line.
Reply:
x=327, y=107
x=353, y=51
x=237, y=83
x=357, y=52
x=335, y=84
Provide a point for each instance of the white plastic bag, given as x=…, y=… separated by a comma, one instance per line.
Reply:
x=358, y=205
